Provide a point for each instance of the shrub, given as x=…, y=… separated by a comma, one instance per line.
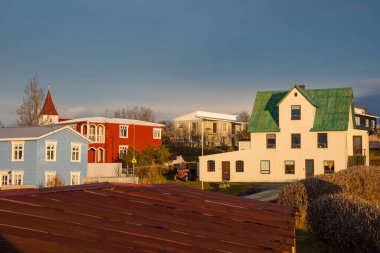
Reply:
x=346, y=222
x=359, y=181
x=154, y=174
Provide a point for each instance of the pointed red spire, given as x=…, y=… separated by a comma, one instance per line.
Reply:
x=49, y=108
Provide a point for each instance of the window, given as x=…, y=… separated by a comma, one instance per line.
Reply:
x=156, y=133
x=194, y=125
x=123, y=151
x=373, y=124
x=296, y=140
x=123, y=132
x=75, y=152
x=4, y=178
x=322, y=140
x=357, y=120
x=265, y=167
x=179, y=125
x=18, y=177
x=18, y=151
x=223, y=127
x=271, y=141
x=239, y=166
x=366, y=122
x=100, y=155
x=296, y=112
x=214, y=128
x=51, y=151
x=289, y=167
x=75, y=177
x=295, y=94
x=329, y=166
x=50, y=177
x=211, y=166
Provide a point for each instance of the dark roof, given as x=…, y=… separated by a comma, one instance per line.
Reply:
x=27, y=132
x=49, y=108
x=130, y=218
x=332, y=109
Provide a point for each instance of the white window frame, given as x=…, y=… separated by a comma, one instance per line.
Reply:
x=14, y=144
x=4, y=173
x=49, y=174
x=74, y=173
x=121, y=133
x=54, y=144
x=100, y=158
x=223, y=127
x=17, y=173
x=120, y=150
x=79, y=146
x=157, y=130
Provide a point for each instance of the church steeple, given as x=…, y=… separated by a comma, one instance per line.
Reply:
x=49, y=114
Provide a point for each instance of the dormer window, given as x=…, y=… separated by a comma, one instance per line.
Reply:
x=296, y=112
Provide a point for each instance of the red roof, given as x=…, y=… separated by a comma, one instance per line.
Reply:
x=134, y=218
x=49, y=108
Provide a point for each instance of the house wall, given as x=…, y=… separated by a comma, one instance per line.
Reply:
x=34, y=164
x=208, y=127
x=27, y=166
x=340, y=146
x=138, y=135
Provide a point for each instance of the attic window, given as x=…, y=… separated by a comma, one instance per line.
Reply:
x=295, y=94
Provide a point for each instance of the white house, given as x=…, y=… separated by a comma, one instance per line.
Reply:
x=218, y=129
x=294, y=134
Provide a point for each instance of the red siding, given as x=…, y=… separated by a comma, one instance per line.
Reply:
x=141, y=136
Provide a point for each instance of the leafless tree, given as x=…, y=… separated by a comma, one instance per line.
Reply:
x=243, y=116
x=32, y=102
x=1, y=124
x=139, y=113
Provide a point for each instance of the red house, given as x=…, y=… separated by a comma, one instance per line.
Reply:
x=114, y=136
x=110, y=136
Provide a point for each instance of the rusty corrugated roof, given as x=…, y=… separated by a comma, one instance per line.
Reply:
x=154, y=218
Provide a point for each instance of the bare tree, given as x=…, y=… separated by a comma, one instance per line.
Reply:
x=32, y=102
x=243, y=116
x=1, y=124
x=139, y=113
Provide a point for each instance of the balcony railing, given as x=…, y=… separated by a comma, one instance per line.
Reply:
x=97, y=138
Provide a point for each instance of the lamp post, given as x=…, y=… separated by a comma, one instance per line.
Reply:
x=202, y=141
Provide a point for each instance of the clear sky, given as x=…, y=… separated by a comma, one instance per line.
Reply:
x=176, y=56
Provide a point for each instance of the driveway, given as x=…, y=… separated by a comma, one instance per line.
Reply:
x=266, y=192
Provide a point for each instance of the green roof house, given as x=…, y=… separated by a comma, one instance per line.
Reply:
x=295, y=134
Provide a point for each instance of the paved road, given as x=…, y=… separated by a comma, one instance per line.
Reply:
x=266, y=192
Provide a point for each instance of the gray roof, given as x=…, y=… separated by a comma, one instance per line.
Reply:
x=27, y=132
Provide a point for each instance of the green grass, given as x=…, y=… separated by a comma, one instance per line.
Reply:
x=234, y=189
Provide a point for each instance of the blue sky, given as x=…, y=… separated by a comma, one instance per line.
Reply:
x=178, y=56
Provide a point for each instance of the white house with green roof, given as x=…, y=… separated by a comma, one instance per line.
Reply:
x=294, y=134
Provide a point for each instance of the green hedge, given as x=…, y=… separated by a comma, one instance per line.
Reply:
x=345, y=222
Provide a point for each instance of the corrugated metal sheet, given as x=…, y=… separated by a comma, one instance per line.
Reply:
x=332, y=113
x=157, y=218
x=27, y=132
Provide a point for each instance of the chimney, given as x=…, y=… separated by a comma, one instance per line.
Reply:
x=302, y=86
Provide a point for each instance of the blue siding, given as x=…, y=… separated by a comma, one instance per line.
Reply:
x=28, y=165
x=34, y=164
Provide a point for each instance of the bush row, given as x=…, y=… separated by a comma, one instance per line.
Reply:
x=361, y=181
x=346, y=222
x=154, y=174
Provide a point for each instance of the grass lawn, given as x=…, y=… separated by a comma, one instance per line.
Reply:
x=234, y=189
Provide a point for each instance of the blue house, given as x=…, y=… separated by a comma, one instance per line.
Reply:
x=38, y=156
